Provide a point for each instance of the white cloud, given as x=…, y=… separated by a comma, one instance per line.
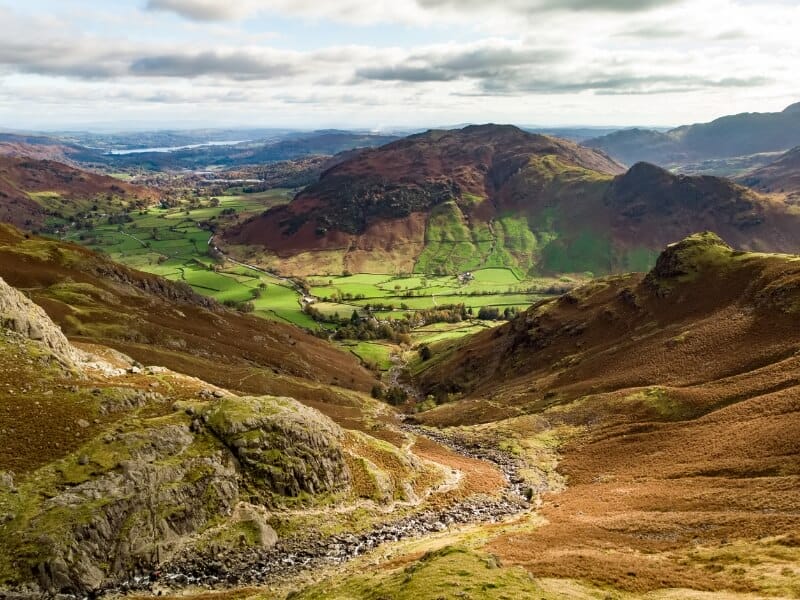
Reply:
x=527, y=61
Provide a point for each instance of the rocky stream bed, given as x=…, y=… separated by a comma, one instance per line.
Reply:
x=290, y=557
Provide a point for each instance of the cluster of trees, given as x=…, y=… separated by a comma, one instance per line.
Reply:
x=394, y=395
x=492, y=313
x=244, y=307
x=367, y=327
x=120, y=219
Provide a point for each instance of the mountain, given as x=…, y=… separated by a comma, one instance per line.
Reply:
x=781, y=176
x=450, y=201
x=730, y=136
x=673, y=399
x=32, y=189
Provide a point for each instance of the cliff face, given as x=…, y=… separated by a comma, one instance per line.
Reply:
x=20, y=315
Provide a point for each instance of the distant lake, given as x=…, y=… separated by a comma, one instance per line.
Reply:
x=174, y=148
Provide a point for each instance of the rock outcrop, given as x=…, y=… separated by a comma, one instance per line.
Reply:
x=134, y=515
x=22, y=316
x=286, y=448
x=134, y=497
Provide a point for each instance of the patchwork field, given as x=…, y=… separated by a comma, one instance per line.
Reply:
x=174, y=243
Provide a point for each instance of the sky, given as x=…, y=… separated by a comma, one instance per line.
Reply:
x=383, y=64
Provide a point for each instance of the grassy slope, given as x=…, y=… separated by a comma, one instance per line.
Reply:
x=171, y=243
x=95, y=299
x=681, y=390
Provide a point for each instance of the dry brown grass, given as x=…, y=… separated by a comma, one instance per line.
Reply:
x=689, y=405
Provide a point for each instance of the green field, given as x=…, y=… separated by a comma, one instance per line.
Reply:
x=173, y=243
x=170, y=242
x=372, y=353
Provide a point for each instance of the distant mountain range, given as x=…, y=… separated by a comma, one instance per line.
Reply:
x=176, y=151
x=450, y=201
x=731, y=136
x=781, y=176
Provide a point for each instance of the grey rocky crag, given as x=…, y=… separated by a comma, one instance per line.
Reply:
x=284, y=446
x=22, y=316
x=134, y=496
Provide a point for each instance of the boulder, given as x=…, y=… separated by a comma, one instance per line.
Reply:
x=285, y=448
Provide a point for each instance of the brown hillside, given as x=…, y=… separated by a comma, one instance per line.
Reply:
x=681, y=390
x=404, y=179
x=651, y=203
x=37, y=147
x=22, y=178
x=159, y=322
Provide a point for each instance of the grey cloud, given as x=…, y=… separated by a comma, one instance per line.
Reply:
x=405, y=73
x=654, y=32
x=493, y=58
x=532, y=7
x=239, y=65
x=617, y=84
x=60, y=59
x=95, y=61
x=200, y=10
x=732, y=35
x=651, y=32
x=475, y=63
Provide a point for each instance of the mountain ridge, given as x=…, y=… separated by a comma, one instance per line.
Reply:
x=450, y=201
x=728, y=136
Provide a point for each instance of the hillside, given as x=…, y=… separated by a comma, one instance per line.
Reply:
x=451, y=201
x=114, y=473
x=98, y=301
x=38, y=147
x=779, y=177
x=440, y=201
x=32, y=190
x=673, y=397
x=730, y=136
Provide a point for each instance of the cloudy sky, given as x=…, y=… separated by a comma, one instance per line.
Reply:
x=389, y=63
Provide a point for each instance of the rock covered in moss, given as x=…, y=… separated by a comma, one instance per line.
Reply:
x=689, y=255
x=138, y=495
x=286, y=448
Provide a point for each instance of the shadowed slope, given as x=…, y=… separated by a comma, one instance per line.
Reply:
x=781, y=176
